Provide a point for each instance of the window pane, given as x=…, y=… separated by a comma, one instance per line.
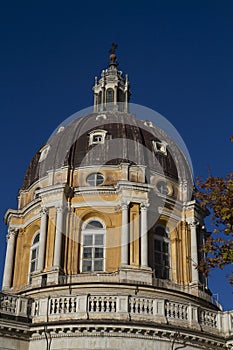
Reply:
x=97, y=138
x=158, y=258
x=33, y=266
x=86, y=265
x=34, y=254
x=87, y=240
x=165, y=247
x=99, y=239
x=99, y=253
x=87, y=252
x=109, y=95
x=95, y=179
x=162, y=187
x=93, y=224
x=99, y=179
x=36, y=239
x=161, y=231
x=98, y=265
x=157, y=245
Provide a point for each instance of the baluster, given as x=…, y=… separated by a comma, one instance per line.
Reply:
x=102, y=302
x=132, y=306
x=141, y=306
x=151, y=307
x=55, y=305
x=108, y=305
x=72, y=308
x=98, y=304
x=51, y=306
x=91, y=304
x=66, y=305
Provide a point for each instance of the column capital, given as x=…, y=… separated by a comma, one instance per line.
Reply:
x=124, y=205
x=60, y=209
x=144, y=205
x=43, y=210
x=194, y=223
x=12, y=232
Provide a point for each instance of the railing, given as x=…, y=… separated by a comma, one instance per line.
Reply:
x=176, y=311
x=14, y=306
x=208, y=318
x=141, y=306
x=102, y=304
x=127, y=307
x=120, y=307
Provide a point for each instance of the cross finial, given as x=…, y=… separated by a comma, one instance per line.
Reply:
x=113, y=48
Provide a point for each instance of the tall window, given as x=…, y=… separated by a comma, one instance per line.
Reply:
x=93, y=237
x=161, y=253
x=34, y=253
x=109, y=95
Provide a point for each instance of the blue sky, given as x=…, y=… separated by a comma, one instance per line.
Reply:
x=179, y=57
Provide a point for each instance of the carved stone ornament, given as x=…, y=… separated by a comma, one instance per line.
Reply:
x=12, y=231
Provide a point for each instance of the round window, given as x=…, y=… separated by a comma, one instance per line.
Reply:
x=95, y=179
x=162, y=187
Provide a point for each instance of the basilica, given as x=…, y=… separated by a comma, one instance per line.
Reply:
x=103, y=248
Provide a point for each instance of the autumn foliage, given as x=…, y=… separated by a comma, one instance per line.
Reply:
x=216, y=195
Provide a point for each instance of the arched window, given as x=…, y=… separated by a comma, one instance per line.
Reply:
x=100, y=97
x=110, y=96
x=34, y=253
x=161, y=252
x=93, y=242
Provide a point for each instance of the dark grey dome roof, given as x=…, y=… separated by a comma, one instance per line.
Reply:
x=127, y=140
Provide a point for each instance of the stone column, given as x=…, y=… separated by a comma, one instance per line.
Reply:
x=124, y=234
x=42, y=243
x=194, y=252
x=144, y=235
x=9, y=262
x=58, y=238
x=103, y=99
x=126, y=94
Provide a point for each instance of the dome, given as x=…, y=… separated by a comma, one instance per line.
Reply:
x=126, y=140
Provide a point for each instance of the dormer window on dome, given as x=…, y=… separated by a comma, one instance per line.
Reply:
x=97, y=137
x=44, y=152
x=160, y=147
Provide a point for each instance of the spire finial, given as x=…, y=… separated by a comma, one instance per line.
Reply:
x=112, y=56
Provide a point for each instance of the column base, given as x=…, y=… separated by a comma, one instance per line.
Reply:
x=141, y=275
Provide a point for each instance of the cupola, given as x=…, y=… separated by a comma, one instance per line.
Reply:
x=111, y=91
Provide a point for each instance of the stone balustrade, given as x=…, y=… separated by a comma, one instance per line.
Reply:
x=119, y=307
x=126, y=307
x=14, y=306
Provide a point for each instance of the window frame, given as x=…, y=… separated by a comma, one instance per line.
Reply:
x=34, y=246
x=97, y=133
x=162, y=239
x=94, y=232
x=95, y=184
x=160, y=147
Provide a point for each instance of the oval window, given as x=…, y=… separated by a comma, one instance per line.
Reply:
x=162, y=187
x=95, y=179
